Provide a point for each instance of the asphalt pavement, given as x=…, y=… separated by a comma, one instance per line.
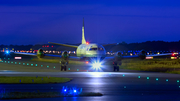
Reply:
x=125, y=85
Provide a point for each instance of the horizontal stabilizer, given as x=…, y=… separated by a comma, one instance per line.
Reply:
x=63, y=44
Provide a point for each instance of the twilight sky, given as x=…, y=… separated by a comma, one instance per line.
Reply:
x=106, y=21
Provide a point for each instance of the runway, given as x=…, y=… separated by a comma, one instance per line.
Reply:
x=125, y=85
x=114, y=86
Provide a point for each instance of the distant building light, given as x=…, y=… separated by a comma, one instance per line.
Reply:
x=18, y=58
x=173, y=57
x=149, y=57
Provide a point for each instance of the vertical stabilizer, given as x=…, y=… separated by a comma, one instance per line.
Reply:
x=83, y=37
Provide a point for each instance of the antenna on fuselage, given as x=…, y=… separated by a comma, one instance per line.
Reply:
x=83, y=37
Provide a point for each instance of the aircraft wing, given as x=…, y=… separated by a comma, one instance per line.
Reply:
x=123, y=57
x=63, y=44
x=137, y=56
x=32, y=54
x=51, y=55
x=154, y=55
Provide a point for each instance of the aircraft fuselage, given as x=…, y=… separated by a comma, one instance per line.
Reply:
x=90, y=50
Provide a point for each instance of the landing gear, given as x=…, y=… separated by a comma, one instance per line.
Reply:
x=116, y=68
x=63, y=67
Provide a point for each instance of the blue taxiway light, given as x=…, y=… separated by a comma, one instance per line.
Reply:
x=157, y=79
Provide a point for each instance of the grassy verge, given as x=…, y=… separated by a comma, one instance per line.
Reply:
x=22, y=95
x=155, y=65
x=32, y=80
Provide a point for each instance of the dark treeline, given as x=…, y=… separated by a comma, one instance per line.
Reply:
x=148, y=46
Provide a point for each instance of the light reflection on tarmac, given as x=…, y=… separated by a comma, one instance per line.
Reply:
x=114, y=85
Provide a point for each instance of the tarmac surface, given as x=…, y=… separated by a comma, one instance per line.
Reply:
x=125, y=85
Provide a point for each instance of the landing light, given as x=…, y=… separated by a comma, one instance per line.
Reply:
x=87, y=62
x=87, y=43
x=96, y=65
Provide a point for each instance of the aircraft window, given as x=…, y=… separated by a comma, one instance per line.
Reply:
x=93, y=49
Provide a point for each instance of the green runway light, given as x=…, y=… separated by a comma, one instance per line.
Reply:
x=147, y=78
x=41, y=65
x=8, y=61
x=47, y=66
x=87, y=70
x=5, y=61
x=124, y=86
x=11, y=62
x=123, y=75
x=8, y=58
x=139, y=77
x=54, y=67
x=19, y=62
x=23, y=63
x=36, y=64
x=68, y=68
x=166, y=79
x=4, y=58
x=156, y=79
x=177, y=80
x=77, y=69
x=27, y=63
x=31, y=64
x=179, y=86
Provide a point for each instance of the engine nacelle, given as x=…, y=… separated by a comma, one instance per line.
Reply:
x=142, y=54
x=118, y=56
x=40, y=53
x=65, y=55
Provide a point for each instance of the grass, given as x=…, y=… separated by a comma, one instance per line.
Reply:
x=22, y=95
x=32, y=80
x=155, y=65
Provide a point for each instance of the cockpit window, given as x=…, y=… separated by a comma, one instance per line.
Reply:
x=93, y=48
x=101, y=49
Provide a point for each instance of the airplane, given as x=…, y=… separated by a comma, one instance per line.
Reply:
x=90, y=51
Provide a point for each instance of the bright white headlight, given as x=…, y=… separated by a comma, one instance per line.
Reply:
x=96, y=65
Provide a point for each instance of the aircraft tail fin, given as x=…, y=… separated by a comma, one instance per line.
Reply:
x=83, y=37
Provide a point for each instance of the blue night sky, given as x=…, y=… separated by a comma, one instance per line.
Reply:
x=106, y=21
